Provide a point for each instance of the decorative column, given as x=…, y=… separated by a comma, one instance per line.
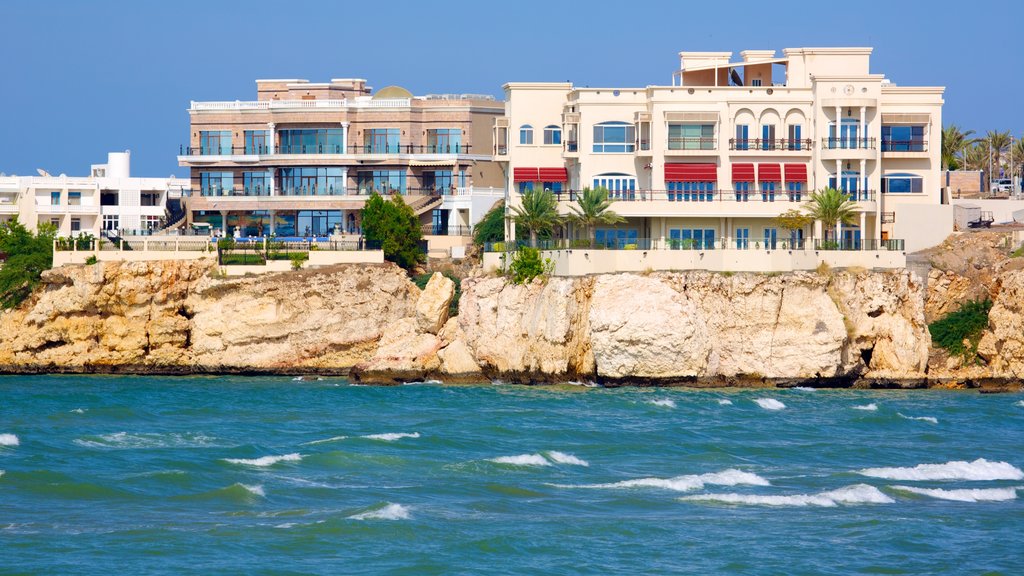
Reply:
x=271, y=148
x=839, y=174
x=273, y=179
x=224, y=223
x=863, y=132
x=272, y=223
x=864, y=177
x=839, y=128
x=344, y=137
x=863, y=226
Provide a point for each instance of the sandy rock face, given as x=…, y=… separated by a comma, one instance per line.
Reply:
x=432, y=305
x=1003, y=344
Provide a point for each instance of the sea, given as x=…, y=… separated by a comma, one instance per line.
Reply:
x=269, y=475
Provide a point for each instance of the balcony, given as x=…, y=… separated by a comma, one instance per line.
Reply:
x=501, y=150
x=848, y=143
x=407, y=148
x=691, y=146
x=67, y=209
x=445, y=230
x=770, y=145
x=300, y=104
x=905, y=148
x=8, y=208
x=572, y=147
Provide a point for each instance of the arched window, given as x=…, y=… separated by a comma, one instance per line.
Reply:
x=614, y=137
x=620, y=186
x=526, y=134
x=552, y=134
x=902, y=183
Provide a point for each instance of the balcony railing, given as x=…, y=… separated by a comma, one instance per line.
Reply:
x=716, y=195
x=858, y=244
x=848, y=143
x=232, y=151
x=904, y=146
x=691, y=143
x=445, y=230
x=501, y=150
x=572, y=146
x=410, y=149
x=327, y=149
x=783, y=144
x=718, y=243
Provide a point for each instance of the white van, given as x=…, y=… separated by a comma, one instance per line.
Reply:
x=1002, y=185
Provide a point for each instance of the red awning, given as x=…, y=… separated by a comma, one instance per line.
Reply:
x=553, y=175
x=742, y=172
x=769, y=173
x=796, y=172
x=526, y=175
x=691, y=173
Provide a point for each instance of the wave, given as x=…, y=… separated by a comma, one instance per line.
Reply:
x=522, y=460
x=9, y=440
x=966, y=494
x=129, y=440
x=869, y=407
x=265, y=460
x=2, y=473
x=563, y=458
x=387, y=512
x=730, y=477
x=237, y=492
x=931, y=419
x=805, y=388
x=980, y=469
x=769, y=403
x=325, y=440
x=666, y=402
x=1020, y=403
x=724, y=402
x=855, y=494
x=391, y=436
x=78, y=411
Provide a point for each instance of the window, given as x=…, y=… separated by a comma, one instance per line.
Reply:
x=216, y=183
x=794, y=142
x=315, y=141
x=768, y=137
x=795, y=191
x=526, y=135
x=742, y=238
x=462, y=178
x=149, y=199
x=150, y=223
x=54, y=198
x=525, y=187
x=742, y=136
x=691, y=238
x=848, y=137
x=768, y=191
x=444, y=141
x=74, y=198
x=76, y=224
x=755, y=82
x=902, y=183
x=55, y=222
x=255, y=142
x=691, y=136
x=903, y=139
x=620, y=186
x=311, y=181
x=381, y=141
x=317, y=222
x=796, y=238
x=555, y=187
x=850, y=182
x=109, y=198
x=552, y=135
x=616, y=237
x=742, y=191
x=383, y=181
x=110, y=221
x=256, y=183
x=215, y=142
x=614, y=137
x=690, y=191
x=438, y=181
x=771, y=236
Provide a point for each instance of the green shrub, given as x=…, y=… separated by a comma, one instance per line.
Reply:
x=91, y=260
x=498, y=247
x=629, y=247
x=527, y=264
x=967, y=323
x=392, y=226
x=27, y=256
x=298, y=259
x=226, y=243
x=492, y=227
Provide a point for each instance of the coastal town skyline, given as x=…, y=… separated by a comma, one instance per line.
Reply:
x=137, y=69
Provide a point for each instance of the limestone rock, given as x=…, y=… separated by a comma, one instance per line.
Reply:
x=1003, y=344
x=403, y=354
x=457, y=360
x=432, y=305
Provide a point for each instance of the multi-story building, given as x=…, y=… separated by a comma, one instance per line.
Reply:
x=302, y=158
x=711, y=160
x=109, y=200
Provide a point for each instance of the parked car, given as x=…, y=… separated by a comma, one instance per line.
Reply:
x=1002, y=185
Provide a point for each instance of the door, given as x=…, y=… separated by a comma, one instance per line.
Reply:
x=742, y=238
x=770, y=237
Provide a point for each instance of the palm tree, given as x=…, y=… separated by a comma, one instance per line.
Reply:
x=999, y=144
x=976, y=156
x=538, y=212
x=831, y=207
x=592, y=208
x=954, y=142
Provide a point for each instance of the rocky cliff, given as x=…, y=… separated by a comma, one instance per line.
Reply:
x=699, y=328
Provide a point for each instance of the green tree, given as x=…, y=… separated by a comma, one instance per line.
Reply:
x=954, y=143
x=537, y=213
x=592, y=208
x=528, y=264
x=392, y=226
x=831, y=207
x=793, y=220
x=27, y=256
x=998, y=144
x=492, y=227
x=975, y=156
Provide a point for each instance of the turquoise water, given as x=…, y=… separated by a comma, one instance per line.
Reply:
x=270, y=476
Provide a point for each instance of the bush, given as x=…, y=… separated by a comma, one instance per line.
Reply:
x=298, y=259
x=967, y=323
x=527, y=264
x=498, y=247
x=91, y=260
x=226, y=243
x=28, y=255
x=392, y=226
x=492, y=227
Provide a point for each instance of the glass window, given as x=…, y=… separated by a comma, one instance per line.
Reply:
x=54, y=198
x=742, y=191
x=313, y=141
x=552, y=135
x=215, y=142
x=74, y=198
x=691, y=136
x=216, y=183
x=618, y=238
x=555, y=187
x=903, y=139
x=768, y=191
x=525, y=187
x=619, y=186
x=381, y=141
x=690, y=191
x=794, y=137
x=771, y=236
x=444, y=141
x=382, y=182
x=526, y=134
x=742, y=137
x=902, y=184
x=795, y=191
x=110, y=221
x=311, y=181
x=614, y=137
x=691, y=238
x=768, y=137
x=255, y=141
x=742, y=238
x=256, y=183
x=76, y=224
x=438, y=181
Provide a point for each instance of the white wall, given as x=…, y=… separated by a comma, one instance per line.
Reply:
x=922, y=226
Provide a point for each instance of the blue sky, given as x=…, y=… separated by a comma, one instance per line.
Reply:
x=80, y=79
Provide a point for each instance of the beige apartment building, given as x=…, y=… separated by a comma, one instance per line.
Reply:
x=302, y=158
x=711, y=160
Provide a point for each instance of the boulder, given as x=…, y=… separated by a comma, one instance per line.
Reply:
x=432, y=305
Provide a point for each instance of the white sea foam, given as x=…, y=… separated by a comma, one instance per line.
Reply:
x=563, y=458
x=805, y=388
x=855, y=494
x=980, y=469
x=2, y=473
x=931, y=419
x=286, y=525
x=666, y=402
x=388, y=512
x=730, y=477
x=1020, y=403
x=265, y=460
x=254, y=489
x=725, y=402
x=9, y=440
x=769, y=403
x=78, y=411
x=120, y=440
x=391, y=436
x=966, y=494
x=325, y=440
x=522, y=460
x=869, y=407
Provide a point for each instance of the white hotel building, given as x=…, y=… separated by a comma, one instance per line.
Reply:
x=109, y=200
x=709, y=161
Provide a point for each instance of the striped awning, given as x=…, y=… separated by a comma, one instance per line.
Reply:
x=769, y=173
x=691, y=172
x=795, y=172
x=526, y=175
x=742, y=172
x=553, y=175
x=425, y=163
